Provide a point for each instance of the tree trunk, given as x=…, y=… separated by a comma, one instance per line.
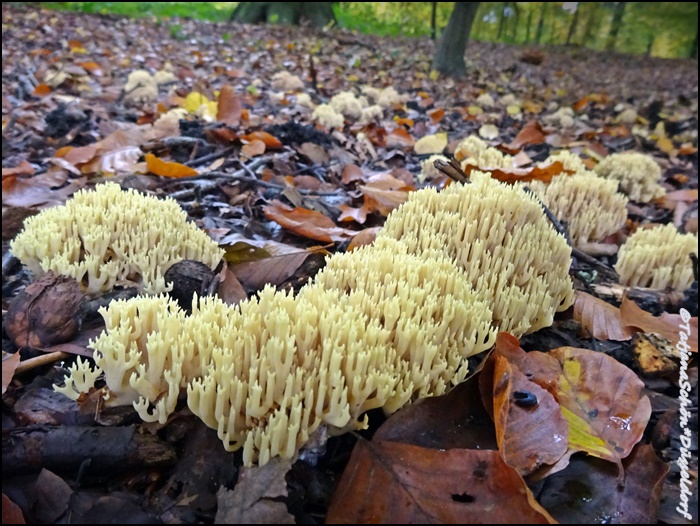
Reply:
x=449, y=55
x=317, y=14
x=590, y=24
x=694, y=46
x=572, y=26
x=553, y=28
x=433, y=20
x=540, y=24
x=515, y=24
x=502, y=21
x=529, y=25
x=618, y=14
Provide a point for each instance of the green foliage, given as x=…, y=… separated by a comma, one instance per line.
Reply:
x=217, y=11
x=666, y=29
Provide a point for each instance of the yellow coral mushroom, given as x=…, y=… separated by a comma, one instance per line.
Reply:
x=328, y=117
x=638, y=175
x=499, y=235
x=591, y=207
x=109, y=237
x=346, y=104
x=657, y=258
x=379, y=327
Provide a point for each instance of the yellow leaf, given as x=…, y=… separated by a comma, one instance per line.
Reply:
x=431, y=143
x=434, y=75
x=194, y=101
x=166, y=169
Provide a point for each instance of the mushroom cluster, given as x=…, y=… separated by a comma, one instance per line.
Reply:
x=109, y=237
x=378, y=327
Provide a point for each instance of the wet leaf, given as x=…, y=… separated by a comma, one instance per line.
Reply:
x=530, y=427
x=306, y=223
x=395, y=483
x=168, y=169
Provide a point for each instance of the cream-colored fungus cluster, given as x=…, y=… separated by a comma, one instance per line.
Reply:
x=107, y=237
x=473, y=151
x=657, y=258
x=638, y=175
x=379, y=327
x=499, y=235
x=591, y=207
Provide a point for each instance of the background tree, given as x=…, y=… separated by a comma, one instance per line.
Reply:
x=449, y=56
x=616, y=24
x=317, y=14
x=540, y=23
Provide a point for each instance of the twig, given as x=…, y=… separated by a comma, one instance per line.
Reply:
x=452, y=169
x=210, y=157
x=38, y=361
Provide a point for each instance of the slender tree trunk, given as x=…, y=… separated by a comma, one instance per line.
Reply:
x=502, y=21
x=618, y=14
x=516, y=23
x=552, y=28
x=590, y=24
x=694, y=46
x=449, y=55
x=529, y=25
x=573, y=25
x=433, y=20
x=540, y=24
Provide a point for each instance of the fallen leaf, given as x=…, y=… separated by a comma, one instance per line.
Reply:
x=315, y=153
x=11, y=514
x=436, y=115
x=255, y=499
x=400, y=138
x=351, y=173
x=599, y=319
x=653, y=356
x=270, y=141
x=306, y=223
x=364, y=237
x=230, y=289
x=23, y=168
x=273, y=270
x=431, y=144
x=530, y=428
x=667, y=325
x=254, y=148
x=394, y=483
x=531, y=133
x=543, y=173
x=42, y=90
x=9, y=364
x=229, y=106
x=168, y=169
x=588, y=490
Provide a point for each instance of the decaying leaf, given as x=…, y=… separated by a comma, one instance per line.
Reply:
x=306, y=223
x=9, y=364
x=599, y=319
x=667, y=325
x=543, y=173
x=254, y=500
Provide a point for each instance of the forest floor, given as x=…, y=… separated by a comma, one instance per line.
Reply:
x=243, y=156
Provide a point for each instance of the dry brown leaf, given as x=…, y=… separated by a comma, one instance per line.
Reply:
x=400, y=138
x=273, y=270
x=364, y=237
x=394, y=483
x=436, y=115
x=255, y=499
x=23, y=168
x=351, y=173
x=254, y=148
x=316, y=154
x=599, y=319
x=270, y=141
x=229, y=106
x=667, y=325
x=543, y=173
x=168, y=169
x=9, y=364
x=306, y=223
x=531, y=133
x=42, y=90
x=230, y=289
